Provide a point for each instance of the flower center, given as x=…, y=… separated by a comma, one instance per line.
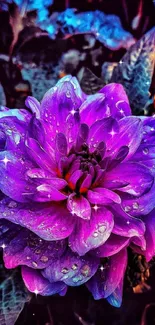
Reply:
x=84, y=170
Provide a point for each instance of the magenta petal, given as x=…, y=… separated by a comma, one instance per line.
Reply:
x=74, y=178
x=106, y=280
x=39, y=156
x=89, y=234
x=13, y=169
x=130, y=134
x=102, y=196
x=46, y=192
x=115, y=299
x=136, y=179
x=94, y=109
x=116, y=99
x=79, y=206
x=49, y=221
x=112, y=246
x=37, y=284
x=102, y=130
x=22, y=247
x=72, y=269
x=59, y=107
x=142, y=205
x=34, y=105
x=125, y=225
x=150, y=236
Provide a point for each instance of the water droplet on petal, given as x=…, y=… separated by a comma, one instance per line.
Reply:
x=85, y=270
x=95, y=234
x=102, y=228
x=34, y=264
x=44, y=259
x=12, y=204
x=127, y=208
x=68, y=94
x=135, y=205
x=64, y=270
x=74, y=267
x=145, y=151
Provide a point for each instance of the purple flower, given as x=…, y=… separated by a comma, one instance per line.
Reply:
x=77, y=188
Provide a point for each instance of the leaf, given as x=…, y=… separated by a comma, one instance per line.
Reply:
x=135, y=72
x=107, y=71
x=90, y=83
x=13, y=295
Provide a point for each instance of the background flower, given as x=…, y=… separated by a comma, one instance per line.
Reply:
x=77, y=184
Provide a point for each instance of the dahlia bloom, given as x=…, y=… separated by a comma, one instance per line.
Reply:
x=77, y=188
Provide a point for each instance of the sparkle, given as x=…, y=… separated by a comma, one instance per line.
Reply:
x=5, y=160
x=112, y=132
x=95, y=207
x=128, y=222
x=73, y=111
x=101, y=268
x=3, y=246
x=36, y=291
x=121, y=111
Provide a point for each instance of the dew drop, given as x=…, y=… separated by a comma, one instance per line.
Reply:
x=68, y=94
x=12, y=204
x=37, y=251
x=102, y=228
x=135, y=205
x=44, y=259
x=95, y=234
x=34, y=264
x=85, y=270
x=127, y=208
x=74, y=267
x=64, y=270
x=28, y=257
x=145, y=151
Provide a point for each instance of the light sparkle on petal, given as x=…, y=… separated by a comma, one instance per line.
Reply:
x=73, y=111
x=112, y=132
x=95, y=207
x=5, y=160
x=3, y=246
x=36, y=291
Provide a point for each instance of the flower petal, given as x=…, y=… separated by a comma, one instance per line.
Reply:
x=49, y=221
x=117, y=100
x=22, y=247
x=110, y=101
x=115, y=299
x=79, y=205
x=106, y=280
x=150, y=236
x=72, y=269
x=46, y=192
x=102, y=130
x=112, y=246
x=130, y=134
x=130, y=177
x=89, y=234
x=59, y=107
x=140, y=206
x=39, y=156
x=125, y=225
x=13, y=168
x=37, y=284
x=34, y=105
x=101, y=196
